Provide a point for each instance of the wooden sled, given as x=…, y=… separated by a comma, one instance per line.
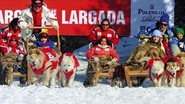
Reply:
x=103, y=74
x=130, y=72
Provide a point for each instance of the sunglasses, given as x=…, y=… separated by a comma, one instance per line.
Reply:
x=163, y=24
x=37, y=5
x=105, y=24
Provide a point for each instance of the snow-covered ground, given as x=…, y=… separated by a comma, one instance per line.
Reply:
x=100, y=94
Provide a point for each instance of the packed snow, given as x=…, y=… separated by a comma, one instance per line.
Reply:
x=100, y=94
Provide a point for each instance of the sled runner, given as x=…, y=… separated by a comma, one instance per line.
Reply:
x=130, y=73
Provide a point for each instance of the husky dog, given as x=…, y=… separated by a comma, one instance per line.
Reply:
x=156, y=71
x=68, y=65
x=119, y=76
x=44, y=63
x=6, y=72
x=173, y=71
x=181, y=56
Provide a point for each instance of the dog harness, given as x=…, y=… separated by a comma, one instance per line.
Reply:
x=50, y=56
x=69, y=74
x=155, y=76
x=170, y=75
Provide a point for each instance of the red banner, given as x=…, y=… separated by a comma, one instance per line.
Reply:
x=76, y=17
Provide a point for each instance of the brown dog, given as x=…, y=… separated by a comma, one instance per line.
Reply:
x=7, y=63
x=173, y=71
x=181, y=56
x=119, y=77
x=44, y=63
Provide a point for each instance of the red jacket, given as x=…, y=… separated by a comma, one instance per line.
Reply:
x=97, y=33
x=3, y=47
x=9, y=33
x=99, y=51
x=15, y=48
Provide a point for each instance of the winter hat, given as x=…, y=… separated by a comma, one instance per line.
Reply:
x=165, y=18
x=157, y=33
x=44, y=33
x=180, y=30
x=37, y=3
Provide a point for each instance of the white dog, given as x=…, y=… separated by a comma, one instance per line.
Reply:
x=173, y=71
x=156, y=71
x=68, y=65
x=44, y=64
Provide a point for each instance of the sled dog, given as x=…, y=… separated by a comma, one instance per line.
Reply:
x=68, y=65
x=173, y=71
x=156, y=71
x=44, y=64
x=181, y=56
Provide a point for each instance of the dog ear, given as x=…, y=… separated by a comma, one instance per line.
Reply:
x=30, y=52
x=37, y=51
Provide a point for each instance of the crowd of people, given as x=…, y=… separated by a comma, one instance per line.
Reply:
x=165, y=36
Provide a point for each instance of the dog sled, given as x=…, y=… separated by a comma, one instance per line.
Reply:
x=98, y=70
x=136, y=66
x=11, y=68
x=27, y=47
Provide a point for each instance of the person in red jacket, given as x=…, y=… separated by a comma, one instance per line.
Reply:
x=95, y=55
x=102, y=49
x=13, y=47
x=104, y=30
x=3, y=48
x=36, y=15
x=13, y=29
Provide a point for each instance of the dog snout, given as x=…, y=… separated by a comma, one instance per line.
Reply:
x=66, y=70
x=156, y=74
x=33, y=63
